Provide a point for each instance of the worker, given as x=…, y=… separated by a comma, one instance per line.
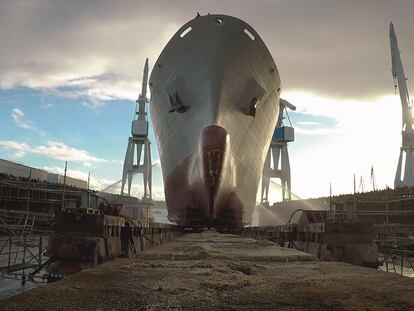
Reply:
x=126, y=238
x=292, y=237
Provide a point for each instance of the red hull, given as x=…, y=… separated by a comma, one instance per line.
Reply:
x=200, y=190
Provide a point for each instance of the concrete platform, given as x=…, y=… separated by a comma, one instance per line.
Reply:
x=209, y=271
x=210, y=244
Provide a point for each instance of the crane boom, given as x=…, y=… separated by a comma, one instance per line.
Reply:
x=398, y=74
x=142, y=98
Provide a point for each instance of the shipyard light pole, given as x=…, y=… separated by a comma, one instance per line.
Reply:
x=139, y=140
x=278, y=151
x=405, y=173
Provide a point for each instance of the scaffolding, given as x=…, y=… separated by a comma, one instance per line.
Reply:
x=29, y=207
x=399, y=261
x=22, y=258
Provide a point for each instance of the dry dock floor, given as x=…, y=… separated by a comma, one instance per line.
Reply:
x=211, y=271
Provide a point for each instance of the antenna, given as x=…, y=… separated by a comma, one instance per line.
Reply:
x=64, y=186
x=373, y=179
x=361, y=185
x=354, y=184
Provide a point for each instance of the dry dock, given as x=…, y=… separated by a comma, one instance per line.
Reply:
x=210, y=271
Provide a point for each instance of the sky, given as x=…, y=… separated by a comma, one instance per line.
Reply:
x=70, y=72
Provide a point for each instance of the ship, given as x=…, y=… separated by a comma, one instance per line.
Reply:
x=214, y=106
x=84, y=238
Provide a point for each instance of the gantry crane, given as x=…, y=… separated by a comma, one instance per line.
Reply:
x=405, y=172
x=139, y=140
x=278, y=152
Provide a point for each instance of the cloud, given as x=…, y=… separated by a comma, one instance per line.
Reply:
x=309, y=123
x=107, y=67
x=14, y=145
x=20, y=148
x=318, y=131
x=363, y=134
x=87, y=96
x=19, y=154
x=54, y=150
x=70, y=172
x=18, y=117
x=336, y=48
x=137, y=189
x=47, y=106
x=17, y=114
x=108, y=185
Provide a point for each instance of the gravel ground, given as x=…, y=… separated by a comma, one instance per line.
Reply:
x=209, y=271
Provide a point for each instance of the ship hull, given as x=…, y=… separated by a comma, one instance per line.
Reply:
x=214, y=105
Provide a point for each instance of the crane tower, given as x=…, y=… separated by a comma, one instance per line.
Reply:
x=139, y=141
x=405, y=172
x=278, y=151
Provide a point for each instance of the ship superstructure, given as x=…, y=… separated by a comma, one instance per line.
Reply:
x=214, y=105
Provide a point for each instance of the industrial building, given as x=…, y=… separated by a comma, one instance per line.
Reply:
x=20, y=171
x=31, y=197
x=377, y=207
